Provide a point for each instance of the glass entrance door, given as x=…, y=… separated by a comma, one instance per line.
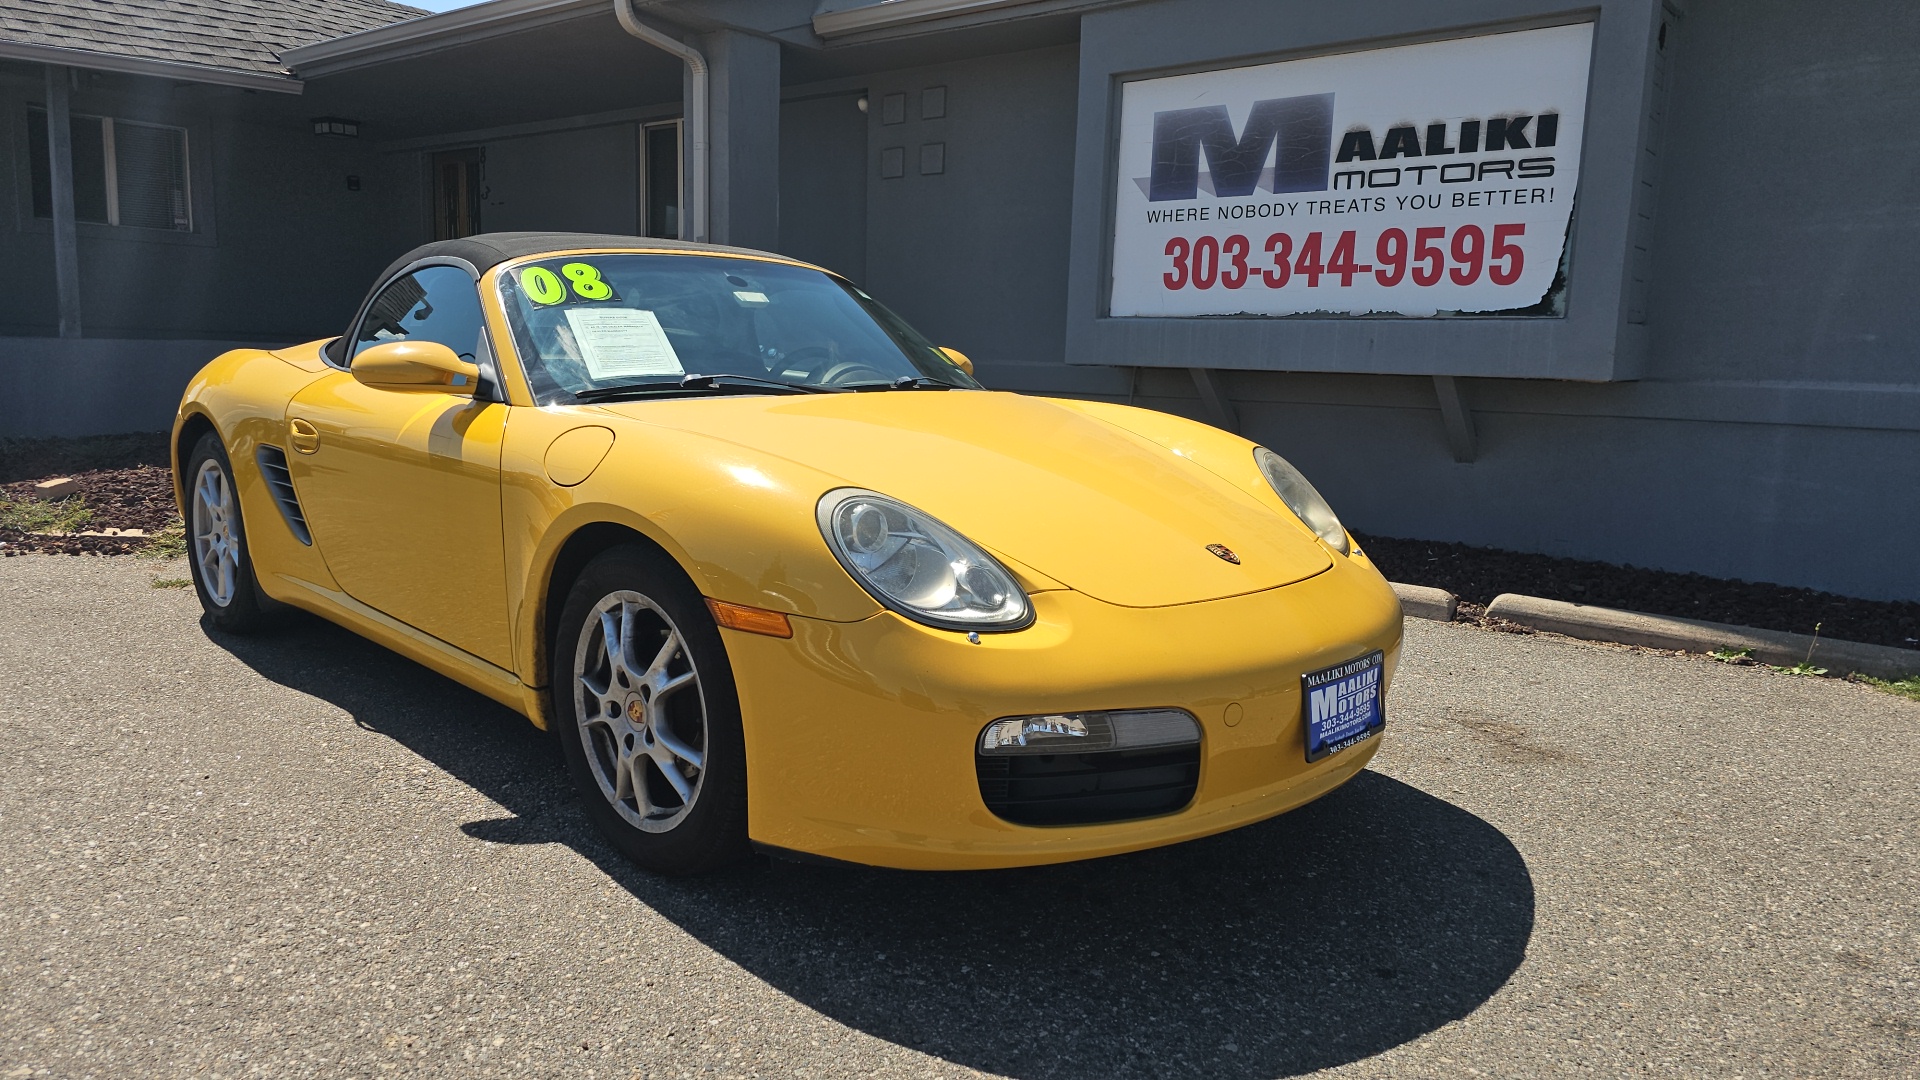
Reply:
x=660, y=198
x=457, y=176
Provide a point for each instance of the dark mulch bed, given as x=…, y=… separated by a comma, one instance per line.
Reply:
x=125, y=480
x=135, y=497
x=1477, y=575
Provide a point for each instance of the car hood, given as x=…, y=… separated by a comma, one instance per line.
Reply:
x=1095, y=507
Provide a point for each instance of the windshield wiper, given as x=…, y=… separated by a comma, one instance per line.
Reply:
x=904, y=382
x=690, y=385
x=713, y=382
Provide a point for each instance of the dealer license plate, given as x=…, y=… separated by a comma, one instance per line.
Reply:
x=1342, y=705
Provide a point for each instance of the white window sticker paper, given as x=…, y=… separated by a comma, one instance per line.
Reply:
x=622, y=343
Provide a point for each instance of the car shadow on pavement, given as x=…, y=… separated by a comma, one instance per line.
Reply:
x=1360, y=922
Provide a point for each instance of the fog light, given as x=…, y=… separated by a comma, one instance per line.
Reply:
x=1088, y=732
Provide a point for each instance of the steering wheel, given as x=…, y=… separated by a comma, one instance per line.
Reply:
x=791, y=357
x=852, y=371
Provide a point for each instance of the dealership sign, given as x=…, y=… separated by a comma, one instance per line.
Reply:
x=1411, y=181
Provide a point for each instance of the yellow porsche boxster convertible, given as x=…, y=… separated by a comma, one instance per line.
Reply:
x=779, y=573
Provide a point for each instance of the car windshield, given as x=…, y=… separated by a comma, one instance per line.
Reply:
x=587, y=325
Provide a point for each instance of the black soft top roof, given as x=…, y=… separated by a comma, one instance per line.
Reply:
x=484, y=251
x=488, y=250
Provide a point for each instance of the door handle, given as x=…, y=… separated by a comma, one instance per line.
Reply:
x=304, y=436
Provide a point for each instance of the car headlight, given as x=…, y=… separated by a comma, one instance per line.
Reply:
x=1306, y=503
x=919, y=567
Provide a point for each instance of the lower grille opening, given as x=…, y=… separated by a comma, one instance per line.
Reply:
x=1084, y=789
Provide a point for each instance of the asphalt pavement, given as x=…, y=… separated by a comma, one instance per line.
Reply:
x=300, y=855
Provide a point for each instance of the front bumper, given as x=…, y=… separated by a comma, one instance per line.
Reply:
x=861, y=736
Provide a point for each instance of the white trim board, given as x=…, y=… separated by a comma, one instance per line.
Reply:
x=90, y=60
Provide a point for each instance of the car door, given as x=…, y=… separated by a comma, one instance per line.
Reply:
x=402, y=488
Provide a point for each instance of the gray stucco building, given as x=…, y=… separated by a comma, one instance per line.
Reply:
x=1723, y=374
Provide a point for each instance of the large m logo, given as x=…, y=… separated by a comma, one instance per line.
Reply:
x=1302, y=126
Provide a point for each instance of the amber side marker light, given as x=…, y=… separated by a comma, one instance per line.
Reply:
x=753, y=620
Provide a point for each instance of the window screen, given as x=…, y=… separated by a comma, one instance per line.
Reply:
x=124, y=172
x=150, y=165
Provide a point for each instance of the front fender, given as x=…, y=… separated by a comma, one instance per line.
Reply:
x=739, y=522
x=243, y=394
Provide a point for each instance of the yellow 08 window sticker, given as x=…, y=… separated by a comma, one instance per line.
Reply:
x=586, y=281
x=544, y=286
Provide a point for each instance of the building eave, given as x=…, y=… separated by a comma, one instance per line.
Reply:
x=93, y=60
x=432, y=33
x=895, y=13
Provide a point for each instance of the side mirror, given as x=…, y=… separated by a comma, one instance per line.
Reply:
x=416, y=366
x=958, y=358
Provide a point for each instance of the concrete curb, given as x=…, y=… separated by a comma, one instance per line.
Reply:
x=1692, y=635
x=1421, y=602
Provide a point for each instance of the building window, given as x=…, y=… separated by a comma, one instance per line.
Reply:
x=660, y=199
x=125, y=172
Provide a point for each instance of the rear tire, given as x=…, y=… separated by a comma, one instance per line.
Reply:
x=217, y=552
x=650, y=728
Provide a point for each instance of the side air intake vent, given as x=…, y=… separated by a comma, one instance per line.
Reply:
x=273, y=466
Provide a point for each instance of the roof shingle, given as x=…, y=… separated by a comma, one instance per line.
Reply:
x=239, y=35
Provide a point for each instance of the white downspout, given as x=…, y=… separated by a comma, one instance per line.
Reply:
x=694, y=219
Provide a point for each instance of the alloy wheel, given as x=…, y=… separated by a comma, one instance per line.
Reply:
x=216, y=542
x=641, y=713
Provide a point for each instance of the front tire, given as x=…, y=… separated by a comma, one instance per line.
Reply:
x=217, y=553
x=647, y=717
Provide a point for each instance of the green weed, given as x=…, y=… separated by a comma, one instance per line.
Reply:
x=1732, y=656
x=1906, y=688
x=34, y=515
x=170, y=542
x=1805, y=666
x=172, y=583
